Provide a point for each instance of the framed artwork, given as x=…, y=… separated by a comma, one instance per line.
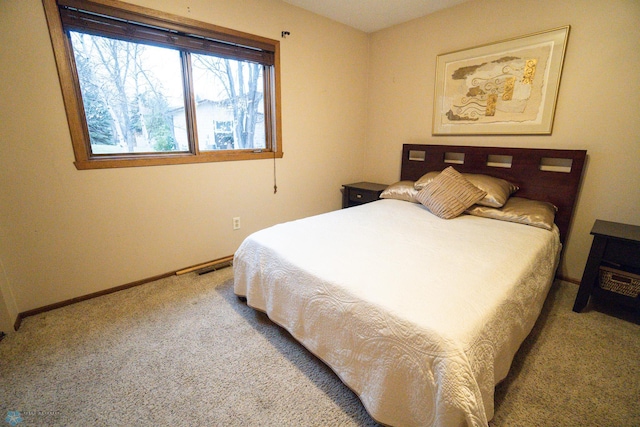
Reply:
x=504, y=88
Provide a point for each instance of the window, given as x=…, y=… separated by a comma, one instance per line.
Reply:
x=145, y=88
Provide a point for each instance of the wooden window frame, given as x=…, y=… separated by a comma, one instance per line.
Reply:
x=73, y=98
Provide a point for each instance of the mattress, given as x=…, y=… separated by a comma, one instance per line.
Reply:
x=421, y=317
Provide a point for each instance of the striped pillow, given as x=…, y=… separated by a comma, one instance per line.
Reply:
x=498, y=190
x=449, y=194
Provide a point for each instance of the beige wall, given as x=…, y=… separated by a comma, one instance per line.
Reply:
x=66, y=233
x=598, y=106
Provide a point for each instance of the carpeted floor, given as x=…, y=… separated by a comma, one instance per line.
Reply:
x=185, y=351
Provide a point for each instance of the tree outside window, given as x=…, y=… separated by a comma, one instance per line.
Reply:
x=144, y=89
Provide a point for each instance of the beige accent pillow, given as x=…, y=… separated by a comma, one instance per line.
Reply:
x=498, y=190
x=449, y=194
x=401, y=190
x=520, y=210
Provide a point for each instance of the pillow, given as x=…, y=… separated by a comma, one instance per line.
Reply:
x=402, y=190
x=498, y=190
x=520, y=210
x=449, y=194
x=425, y=179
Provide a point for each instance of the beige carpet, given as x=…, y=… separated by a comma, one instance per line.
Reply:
x=185, y=351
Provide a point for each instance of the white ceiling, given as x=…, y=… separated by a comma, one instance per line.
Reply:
x=373, y=15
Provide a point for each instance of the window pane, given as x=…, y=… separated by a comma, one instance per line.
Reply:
x=229, y=103
x=132, y=95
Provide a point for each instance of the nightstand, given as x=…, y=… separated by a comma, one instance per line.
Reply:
x=360, y=193
x=612, y=272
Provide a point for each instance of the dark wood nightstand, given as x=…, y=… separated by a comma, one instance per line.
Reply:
x=360, y=193
x=614, y=257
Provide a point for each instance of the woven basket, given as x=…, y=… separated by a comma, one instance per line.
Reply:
x=620, y=282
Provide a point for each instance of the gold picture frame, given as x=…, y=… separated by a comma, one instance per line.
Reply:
x=504, y=88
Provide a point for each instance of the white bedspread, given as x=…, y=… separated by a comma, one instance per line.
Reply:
x=419, y=316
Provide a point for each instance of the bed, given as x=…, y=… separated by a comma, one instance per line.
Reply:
x=420, y=316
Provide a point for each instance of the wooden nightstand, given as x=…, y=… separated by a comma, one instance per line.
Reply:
x=360, y=193
x=616, y=251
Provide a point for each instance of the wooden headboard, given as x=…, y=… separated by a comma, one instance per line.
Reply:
x=542, y=174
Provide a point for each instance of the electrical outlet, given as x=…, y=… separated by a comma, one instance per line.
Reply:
x=236, y=223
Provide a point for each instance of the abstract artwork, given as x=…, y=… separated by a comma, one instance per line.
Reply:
x=509, y=87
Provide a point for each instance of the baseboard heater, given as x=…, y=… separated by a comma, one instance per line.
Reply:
x=208, y=267
x=215, y=267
